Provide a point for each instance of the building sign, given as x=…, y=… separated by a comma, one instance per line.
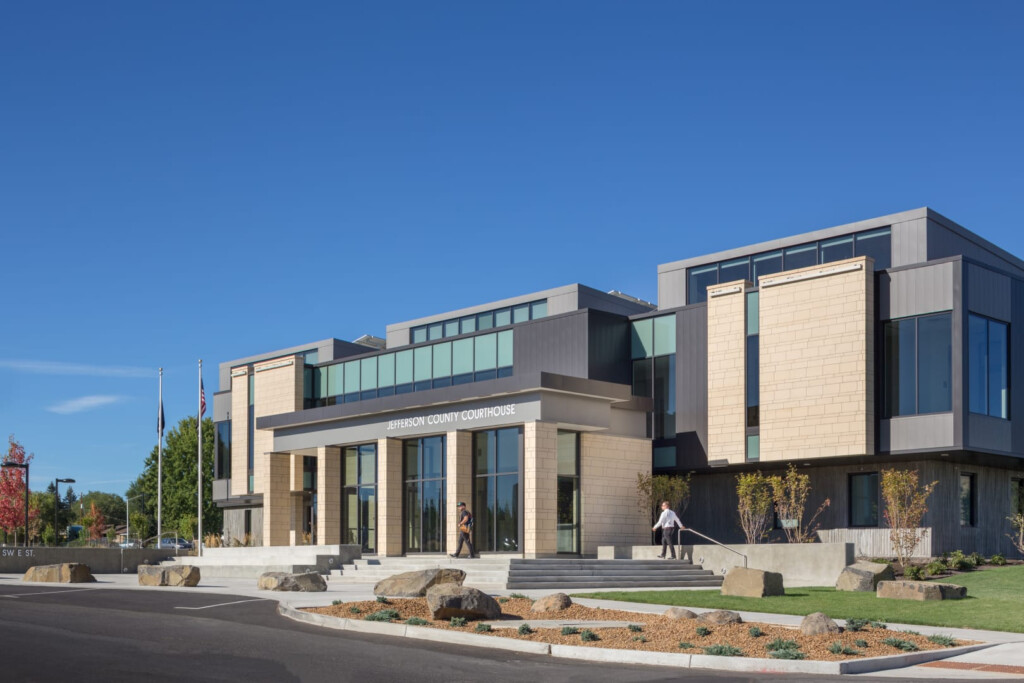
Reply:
x=453, y=417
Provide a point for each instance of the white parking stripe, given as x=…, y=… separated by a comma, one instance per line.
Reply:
x=224, y=604
x=21, y=595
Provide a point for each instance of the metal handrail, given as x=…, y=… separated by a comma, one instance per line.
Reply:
x=731, y=550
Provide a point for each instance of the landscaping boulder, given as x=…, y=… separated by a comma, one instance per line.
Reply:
x=752, y=583
x=818, y=624
x=173, y=575
x=68, y=572
x=415, y=584
x=556, y=602
x=720, y=617
x=307, y=582
x=920, y=590
x=863, y=576
x=452, y=600
x=680, y=613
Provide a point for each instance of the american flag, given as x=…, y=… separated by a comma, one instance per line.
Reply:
x=202, y=399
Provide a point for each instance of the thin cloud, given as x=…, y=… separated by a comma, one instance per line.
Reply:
x=42, y=367
x=78, y=405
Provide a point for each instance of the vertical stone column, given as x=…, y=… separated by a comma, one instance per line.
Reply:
x=277, y=512
x=328, y=495
x=727, y=372
x=389, y=497
x=459, y=481
x=540, y=489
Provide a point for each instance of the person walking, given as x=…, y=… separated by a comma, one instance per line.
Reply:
x=668, y=523
x=465, y=529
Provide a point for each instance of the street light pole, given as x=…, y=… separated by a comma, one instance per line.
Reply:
x=23, y=466
x=56, y=507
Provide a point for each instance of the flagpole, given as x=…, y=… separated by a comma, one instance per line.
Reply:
x=199, y=460
x=160, y=464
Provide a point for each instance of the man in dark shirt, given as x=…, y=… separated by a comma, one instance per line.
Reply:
x=465, y=529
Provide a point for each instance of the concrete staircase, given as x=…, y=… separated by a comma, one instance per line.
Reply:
x=587, y=573
x=249, y=563
x=487, y=571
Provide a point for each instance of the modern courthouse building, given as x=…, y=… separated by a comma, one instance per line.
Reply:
x=890, y=342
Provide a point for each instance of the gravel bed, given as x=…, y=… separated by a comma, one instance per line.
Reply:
x=657, y=633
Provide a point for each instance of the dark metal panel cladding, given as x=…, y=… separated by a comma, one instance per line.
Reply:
x=555, y=344
x=692, y=386
x=608, y=347
x=1017, y=367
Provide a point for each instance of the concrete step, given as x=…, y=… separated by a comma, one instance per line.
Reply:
x=247, y=571
x=522, y=585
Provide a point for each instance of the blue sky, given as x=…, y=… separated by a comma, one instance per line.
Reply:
x=211, y=180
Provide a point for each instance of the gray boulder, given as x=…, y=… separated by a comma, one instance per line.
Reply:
x=182, y=575
x=680, y=613
x=452, y=600
x=308, y=582
x=920, y=590
x=415, y=584
x=556, y=602
x=818, y=624
x=68, y=572
x=720, y=617
x=752, y=583
x=863, y=576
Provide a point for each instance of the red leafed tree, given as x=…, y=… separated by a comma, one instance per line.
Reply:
x=12, y=488
x=97, y=523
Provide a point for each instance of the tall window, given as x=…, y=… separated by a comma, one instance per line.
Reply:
x=569, y=492
x=753, y=377
x=496, y=463
x=864, y=499
x=968, y=505
x=988, y=362
x=918, y=365
x=251, y=433
x=1017, y=496
x=424, y=467
x=653, y=345
x=222, y=437
x=359, y=496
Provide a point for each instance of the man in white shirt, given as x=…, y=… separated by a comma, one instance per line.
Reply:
x=668, y=523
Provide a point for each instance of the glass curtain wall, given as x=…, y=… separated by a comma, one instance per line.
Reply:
x=359, y=496
x=424, y=511
x=918, y=365
x=653, y=344
x=568, y=492
x=497, y=463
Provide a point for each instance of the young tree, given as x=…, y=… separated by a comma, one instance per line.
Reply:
x=652, y=490
x=1017, y=522
x=12, y=489
x=905, y=507
x=755, y=507
x=790, y=494
x=95, y=522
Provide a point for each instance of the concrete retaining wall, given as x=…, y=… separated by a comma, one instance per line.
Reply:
x=16, y=560
x=801, y=564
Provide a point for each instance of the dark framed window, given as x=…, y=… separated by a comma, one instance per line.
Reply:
x=359, y=496
x=863, y=488
x=968, y=504
x=569, y=510
x=753, y=377
x=653, y=349
x=251, y=433
x=918, y=365
x=222, y=447
x=1017, y=496
x=424, y=469
x=988, y=366
x=497, y=462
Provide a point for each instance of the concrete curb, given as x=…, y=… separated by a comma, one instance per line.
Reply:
x=597, y=654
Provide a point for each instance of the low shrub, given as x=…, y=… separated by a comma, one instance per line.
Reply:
x=382, y=615
x=960, y=562
x=639, y=639
x=502, y=600
x=685, y=646
x=913, y=633
x=588, y=636
x=355, y=610
x=935, y=567
x=483, y=628
x=860, y=642
x=947, y=641
x=901, y=644
x=997, y=559
x=525, y=630
x=337, y=602
x=913, y=573
x=723, y=651
x=856, y=624
x=416, y=621
x=382, y=600
x=755, y=632
x=838, y=648
x=570, y=631
x=635, y=628
x=520, y=596
x=457, y=622
x=977, y=558
x=787, y=654
x=780, y=644
x=879, y=624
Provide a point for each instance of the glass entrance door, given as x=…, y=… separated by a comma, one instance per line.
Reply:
x=424, y=509
x=497, y=461
x=359, y=496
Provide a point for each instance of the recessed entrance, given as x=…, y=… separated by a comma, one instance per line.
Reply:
x=424, y=504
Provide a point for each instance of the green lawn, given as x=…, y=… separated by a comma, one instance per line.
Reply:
x=995, y=601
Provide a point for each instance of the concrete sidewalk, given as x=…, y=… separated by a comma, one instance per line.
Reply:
x=1004, y=660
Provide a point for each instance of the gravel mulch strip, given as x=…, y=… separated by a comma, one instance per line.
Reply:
x=657, y=634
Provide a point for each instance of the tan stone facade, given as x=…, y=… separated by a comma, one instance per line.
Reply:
x=389, y=497
x=817, y=361
x=459, y=482
x=540, y=489
x=727, y=371
x=328, y=495
x=239, y=431
x=611, y=514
